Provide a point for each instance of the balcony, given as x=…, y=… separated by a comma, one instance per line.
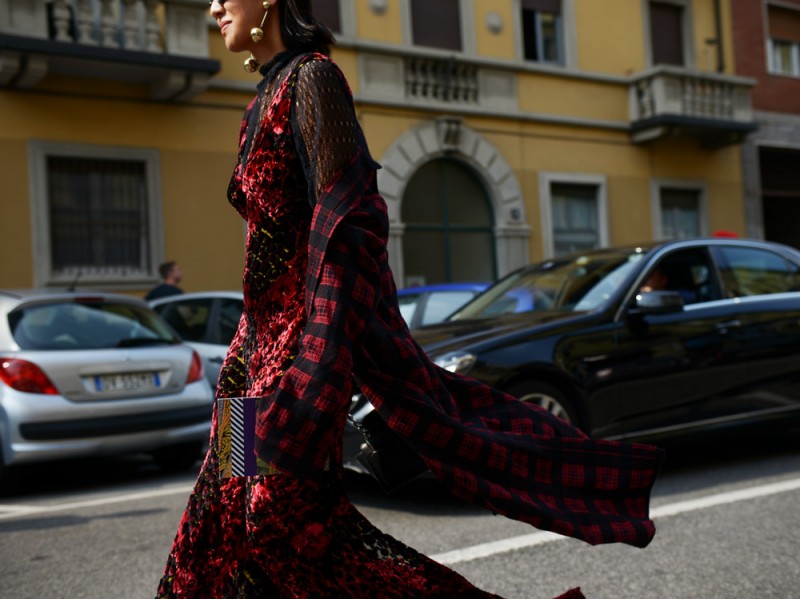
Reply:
x=674, y=102
x=162, y=44
x=436, y=81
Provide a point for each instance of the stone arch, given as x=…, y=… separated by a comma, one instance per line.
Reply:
x=448, y=136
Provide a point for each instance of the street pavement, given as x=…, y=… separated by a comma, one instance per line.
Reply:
x=727, y=517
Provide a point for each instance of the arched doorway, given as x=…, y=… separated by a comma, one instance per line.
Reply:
x=449, y=140
x=449, y=225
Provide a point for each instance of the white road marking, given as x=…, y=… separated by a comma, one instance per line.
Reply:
x=14, y=511
x=449, y=557
x=671, y=509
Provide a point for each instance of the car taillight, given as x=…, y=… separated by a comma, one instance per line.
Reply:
x=25, y=376
x=195, y=370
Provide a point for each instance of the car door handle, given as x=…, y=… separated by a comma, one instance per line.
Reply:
x=216, y=360
x=728, y=324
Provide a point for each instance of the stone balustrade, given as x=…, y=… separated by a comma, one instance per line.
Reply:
x=160, y=43
x=176, y=27
x=668, y=90
x=671, y=98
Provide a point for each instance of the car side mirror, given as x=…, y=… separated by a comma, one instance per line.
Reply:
x=656, y=302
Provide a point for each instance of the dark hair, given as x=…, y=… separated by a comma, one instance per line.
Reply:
x=300, y=30
x=165, y=268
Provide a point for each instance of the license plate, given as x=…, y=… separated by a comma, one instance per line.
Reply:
x=129, y=381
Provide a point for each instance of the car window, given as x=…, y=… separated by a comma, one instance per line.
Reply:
x=565, y=283
x=230, y=312
x=441, y=304
x=90, y=325
x=188, y=317
x=408, y=305
x=688, y=272
x=752, y=271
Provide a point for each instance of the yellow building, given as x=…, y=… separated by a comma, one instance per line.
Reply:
x=508, y=131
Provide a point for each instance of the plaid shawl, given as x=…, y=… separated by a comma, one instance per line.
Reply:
x=485, y=446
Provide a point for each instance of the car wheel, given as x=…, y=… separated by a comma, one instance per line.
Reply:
x=177, y=457
x=547, y=396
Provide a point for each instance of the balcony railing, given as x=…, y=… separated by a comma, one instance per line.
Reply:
x=163, y=43
x=669, y=101
x=441, y=80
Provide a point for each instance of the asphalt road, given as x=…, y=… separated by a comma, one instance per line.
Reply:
x=728, y=518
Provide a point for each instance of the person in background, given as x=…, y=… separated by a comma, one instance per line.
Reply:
x=171, y=276
x=661, y=280
x=320, y=313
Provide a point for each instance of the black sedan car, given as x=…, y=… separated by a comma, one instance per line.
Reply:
x=640, y=342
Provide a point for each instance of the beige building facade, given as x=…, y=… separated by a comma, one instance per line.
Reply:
x=507, y=131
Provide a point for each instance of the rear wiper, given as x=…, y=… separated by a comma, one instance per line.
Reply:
x=141, y=341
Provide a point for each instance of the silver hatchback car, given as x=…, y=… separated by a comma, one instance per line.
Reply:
x=88, y=373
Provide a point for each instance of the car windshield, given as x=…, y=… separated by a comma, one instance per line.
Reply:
x=93, y=324
x=572, y=283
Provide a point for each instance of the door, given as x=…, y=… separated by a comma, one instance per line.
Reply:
x=665, y=368
x=762, y=354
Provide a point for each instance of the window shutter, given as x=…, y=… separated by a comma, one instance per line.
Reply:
x=436, y=23
x=784, y=24
x=548, y=6
x=327, y=13
x=666, y=33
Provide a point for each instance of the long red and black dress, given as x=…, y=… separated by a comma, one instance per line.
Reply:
x=320, y=311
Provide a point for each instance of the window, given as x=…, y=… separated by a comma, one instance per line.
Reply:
x=230, y=313
x=749, y=271
x=436, y=23
x=449, y=226
x=188, y=317
x=574, y=212
x=689, y=272
x=327, y=12
x=575, y=218
x=542, y=31
x=666, y=33
x=442, y=304
x=679, y=208
x=95, y=213
x=680, y=213
x=784, y=41
x=780, y=193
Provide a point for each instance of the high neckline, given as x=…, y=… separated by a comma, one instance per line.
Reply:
x=274, y=64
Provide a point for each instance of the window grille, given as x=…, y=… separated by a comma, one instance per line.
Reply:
x=99, y=218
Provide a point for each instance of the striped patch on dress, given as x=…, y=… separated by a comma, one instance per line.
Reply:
x=236, y=428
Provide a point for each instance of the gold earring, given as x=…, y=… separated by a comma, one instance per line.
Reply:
x=251, y=64
x=257, y=33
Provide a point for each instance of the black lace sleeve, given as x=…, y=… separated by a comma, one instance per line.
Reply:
x=327, y=132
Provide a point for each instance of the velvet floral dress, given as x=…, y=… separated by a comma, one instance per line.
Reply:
x=278, y=535
x=320, y=311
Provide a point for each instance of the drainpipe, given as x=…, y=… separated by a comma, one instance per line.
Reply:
x=718, y=27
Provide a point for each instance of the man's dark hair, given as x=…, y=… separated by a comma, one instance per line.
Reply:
x=300, y=30
x=165, y=268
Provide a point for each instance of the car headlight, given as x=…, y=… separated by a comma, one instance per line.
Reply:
x=457, y=361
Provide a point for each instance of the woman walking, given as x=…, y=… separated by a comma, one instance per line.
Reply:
x=320, y=312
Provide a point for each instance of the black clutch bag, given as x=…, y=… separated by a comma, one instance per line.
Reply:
x=385, y=456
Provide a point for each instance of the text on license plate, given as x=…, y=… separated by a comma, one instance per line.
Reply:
x=129, y=381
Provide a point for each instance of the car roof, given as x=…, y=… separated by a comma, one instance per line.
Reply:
x=198, y=295
x=672, y=244
x=15, y=297
x=462, y=286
